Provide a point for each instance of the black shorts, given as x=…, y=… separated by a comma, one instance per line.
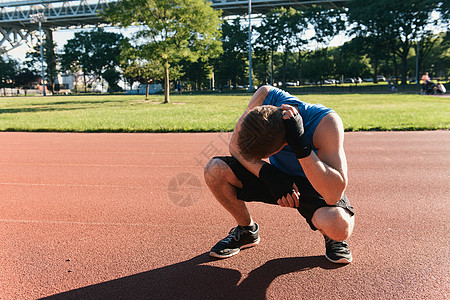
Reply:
x=255, y=190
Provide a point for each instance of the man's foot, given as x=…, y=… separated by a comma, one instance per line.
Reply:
x=238, y=238
x=337, y=252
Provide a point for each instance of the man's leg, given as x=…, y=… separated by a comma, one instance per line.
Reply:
x=336, y=224
x=223, y=184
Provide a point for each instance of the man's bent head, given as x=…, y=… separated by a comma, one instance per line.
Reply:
x=262, y=133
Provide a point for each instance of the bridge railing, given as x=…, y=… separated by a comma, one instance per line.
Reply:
x=19, y=11
x=8, y=3
x=62, y=14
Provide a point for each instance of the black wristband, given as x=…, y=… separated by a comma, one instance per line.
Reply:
x=302, y=153
x=295, y=136
x=279, y=183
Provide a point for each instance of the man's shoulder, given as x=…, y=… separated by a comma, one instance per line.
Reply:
x=331, y=122
x=329, y=131
x=278, y=97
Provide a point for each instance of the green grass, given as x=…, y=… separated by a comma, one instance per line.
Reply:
x=388, y=111
x=198, y=113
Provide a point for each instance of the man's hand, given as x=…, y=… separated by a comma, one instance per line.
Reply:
x=290, y=200
x=280, y=185
x=295, y=138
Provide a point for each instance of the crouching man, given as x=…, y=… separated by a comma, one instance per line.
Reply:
x=307, y=171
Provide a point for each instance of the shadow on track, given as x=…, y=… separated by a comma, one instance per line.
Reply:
x=192, y=280
x=58, y=106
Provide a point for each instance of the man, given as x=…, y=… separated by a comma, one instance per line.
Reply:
x=426, y=83
x=307, y=171
x=425, y=77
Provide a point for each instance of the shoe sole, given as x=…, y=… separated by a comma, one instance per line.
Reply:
x=340, y=260
x=217, y=255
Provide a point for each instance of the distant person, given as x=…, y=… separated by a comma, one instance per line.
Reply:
x=392, y=85
x=440, y=89
x=425, y=77
x=425, y=83
x=307, y=171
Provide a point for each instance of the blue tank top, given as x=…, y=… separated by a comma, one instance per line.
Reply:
x=312, y=114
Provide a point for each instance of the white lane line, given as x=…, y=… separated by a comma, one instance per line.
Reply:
x=71, y=185
x=95, y=223
x=95, y=165
x=75, y=222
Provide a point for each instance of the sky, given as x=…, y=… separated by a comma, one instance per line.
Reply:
x=60, y=37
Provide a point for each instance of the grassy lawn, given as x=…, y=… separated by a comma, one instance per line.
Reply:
x=197, y=113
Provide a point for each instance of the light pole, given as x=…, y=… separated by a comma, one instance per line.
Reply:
x=417, y=62
x=39, y=18
x=250, y=86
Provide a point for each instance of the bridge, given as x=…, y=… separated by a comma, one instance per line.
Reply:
x=16, y=27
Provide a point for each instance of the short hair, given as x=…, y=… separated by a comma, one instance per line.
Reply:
x=262, y=132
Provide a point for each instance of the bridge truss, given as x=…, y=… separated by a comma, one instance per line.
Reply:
x=16, y=27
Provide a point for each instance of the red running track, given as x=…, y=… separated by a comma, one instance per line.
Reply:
x=128, y=216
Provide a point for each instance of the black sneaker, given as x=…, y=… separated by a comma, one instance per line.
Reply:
x=238, y=238
x=337, y=252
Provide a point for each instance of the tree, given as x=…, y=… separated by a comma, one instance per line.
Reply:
x=374, y=47
x=260, y=64
x=198, y=73
x=112, y=76
x=422, y=50
x=8, y=68
x=93, y=52
x=281, y=30
x=437, y=59
x=278, y=31
x=144, y=71
x=25, y=78
x=444, y=9
x=231, y=65
x=397, y=23
x=291, y=26
x=268, y=38
x=171, y=30
x=326, y=23
x=318, y=66
x=300, y=25
x=50, y=60
x=349, y=60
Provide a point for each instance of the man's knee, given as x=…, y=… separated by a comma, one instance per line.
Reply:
x=212, y=168
x=217, y=172
x=335, y=222
x=216, y=169
x=343, y=227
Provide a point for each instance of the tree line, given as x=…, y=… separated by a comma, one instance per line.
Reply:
x=187, y=41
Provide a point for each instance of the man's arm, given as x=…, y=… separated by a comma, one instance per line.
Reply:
x=327, y=171
x=256, y=100
x=283, y=189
